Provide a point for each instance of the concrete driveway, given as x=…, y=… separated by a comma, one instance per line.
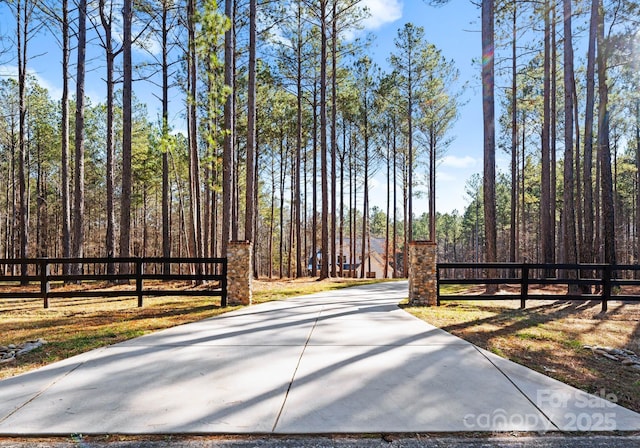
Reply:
x=347, y=361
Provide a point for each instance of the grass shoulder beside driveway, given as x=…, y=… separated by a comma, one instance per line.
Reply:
x=549, y=337
x=74, y=326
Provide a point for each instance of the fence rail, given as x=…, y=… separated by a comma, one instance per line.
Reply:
x=45, y=271
x=611, y=282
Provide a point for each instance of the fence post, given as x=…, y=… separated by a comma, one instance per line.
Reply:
x=240, y=272
x=139, y=271
x=524, y=286
x=44, y=281
x=606, y=286
x=437, y=285
x=423, y=290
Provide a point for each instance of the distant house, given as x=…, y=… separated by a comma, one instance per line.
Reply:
x=349, y=265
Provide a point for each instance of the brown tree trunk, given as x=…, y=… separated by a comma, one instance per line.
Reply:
x=569, y=228
x=388, y=211
x=513, y=240
x=127, y=128
x=608, y=215
x=195, y=227
x=365, y=205
x=228, y=150
x=64, y=169
x=78, y=202
x=488, y=108
x=324, y=224
x=314, y=205
x=282, y=182
x=23, y=16
x=110, y=242
x=251, y=128
x=299, y=92
x=554, y=109
x=637, y=258
x=166, y=199
x=334, y=104
x=545, y=197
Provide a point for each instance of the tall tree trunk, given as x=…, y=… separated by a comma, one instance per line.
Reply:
x=324, y=224
x=64, y=131
x=637, y=260
x=235, y=174
x=388, y=211
x=334, y=103
x=608, y=215
x=545, y=197
x=406, y=220
x=251, y=127
x=488, y=108
x=110, y=243
x=299, y=93
x=228, y=150
x=256, y=182
x=523, y=208
x=78, y=199
x=365, y=204
x=166, y=204
x=513, y=241
x=305, y=208
x=127, y=127
x=409, y=198
x=341, y=236
x=578, y=170
x=569, y=228
x=273, y=215
x=432, y=186
x=554, y=113
x=352, y=205
x=314, y=182
x=282, y=182
x=395, y=200
x=22, y=23
x=292, y=218
x=41, y=201
x=195, y=212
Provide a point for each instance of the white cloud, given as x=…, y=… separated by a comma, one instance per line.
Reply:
x=381, y=12
x=446, y=177
x=458, y=162
x=8, y=71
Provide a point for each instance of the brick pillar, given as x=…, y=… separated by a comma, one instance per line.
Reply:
x=422, y=273
x=239, y=273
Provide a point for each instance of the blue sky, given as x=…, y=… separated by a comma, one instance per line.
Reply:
x=453, y=28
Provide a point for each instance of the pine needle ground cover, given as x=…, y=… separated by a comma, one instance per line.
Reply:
x=74, y=326
x=552, y=338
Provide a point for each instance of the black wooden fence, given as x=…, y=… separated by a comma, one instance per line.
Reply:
x=18, y=276
x=585, y=282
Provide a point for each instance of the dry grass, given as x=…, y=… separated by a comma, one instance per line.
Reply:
x=549, y=337
x=73, y=326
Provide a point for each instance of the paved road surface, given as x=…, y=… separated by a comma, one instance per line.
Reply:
x=346, y=362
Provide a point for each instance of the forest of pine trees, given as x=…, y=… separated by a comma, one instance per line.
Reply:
x=274, y=120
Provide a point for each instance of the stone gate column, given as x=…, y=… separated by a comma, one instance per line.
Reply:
x=422, y=273
x=239, y=273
